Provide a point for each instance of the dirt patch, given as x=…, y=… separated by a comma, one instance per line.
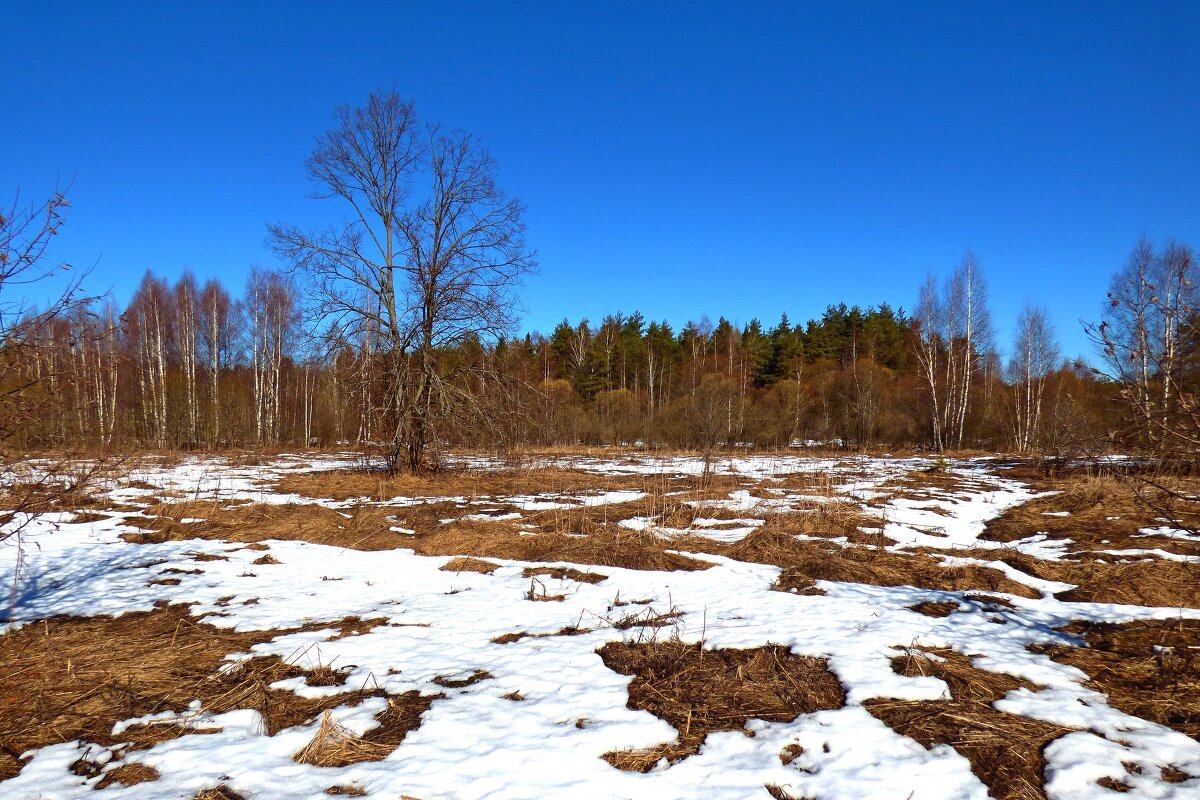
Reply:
x=86, y=517
x=1005, y=750
x=701, y=691
x=1150, y=668
x=1150, y=582
x=369, y=528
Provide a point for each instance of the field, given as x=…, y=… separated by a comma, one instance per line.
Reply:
x=608, y=625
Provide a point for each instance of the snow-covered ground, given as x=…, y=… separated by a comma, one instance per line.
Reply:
x=475, y=743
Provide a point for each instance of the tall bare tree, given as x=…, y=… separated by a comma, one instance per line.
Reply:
x=1034, y=354
x=427, y=269
x=216, y=341
x=28, y=380
x=187, y=339
x=928, y=351
x=148, y=325
x=1150, y=338
x=967, y=322
x=271, y=307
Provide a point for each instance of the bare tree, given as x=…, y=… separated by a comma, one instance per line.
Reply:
x=1148, y=335
x=1035, y=352
x=427, y=270
x=928, y=351
x=187, y=338
x=27, y=491
x=967, y=323
x=216, y=341
x=148, y=325
x=271, y=306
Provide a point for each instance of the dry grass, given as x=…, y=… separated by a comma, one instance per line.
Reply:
x=334, y=746
x=701, y=691
x=604, y=546
x=565, y=574
x=1150, y=668
x=1150, y=581
x=806, y=561
x=509, y=638
x=1102, y=513
x=367, y=527
x=71, y=678
x=935, y=608
x=1005, y=750
x=128, y=775
x=468, y=564
x=221, y=792
x=65, y=679
x=349, y=484
x=461, y=683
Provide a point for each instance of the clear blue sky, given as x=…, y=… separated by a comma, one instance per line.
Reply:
x=677, y=158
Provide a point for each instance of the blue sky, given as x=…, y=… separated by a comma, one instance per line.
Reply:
x=680, y=159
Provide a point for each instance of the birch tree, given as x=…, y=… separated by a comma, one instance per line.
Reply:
x=1148, y=334
x=216, y=343
x=1034, y=355
x=149, y=329
x=271, y=310
x=928, y=351
x=187, y=339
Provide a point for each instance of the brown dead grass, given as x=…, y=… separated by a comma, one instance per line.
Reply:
x=1104, y=513
x=334, y=746
x=1005, y=750
x=64, y=679
x=1144, y=582
x=935, y=608
x=461, y=683
x=701, y=691
x=70, y=678
x=603, y=547
x=509, y=638
x=806, y=561
x=366, y=527
x=349, y=484
x=468, y=564
x=565, y=574
x=128, y=775
x=221, y=792
x=1149, y=668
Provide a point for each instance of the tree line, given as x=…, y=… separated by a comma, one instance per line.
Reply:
x=395, y=328
x=198, y=365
